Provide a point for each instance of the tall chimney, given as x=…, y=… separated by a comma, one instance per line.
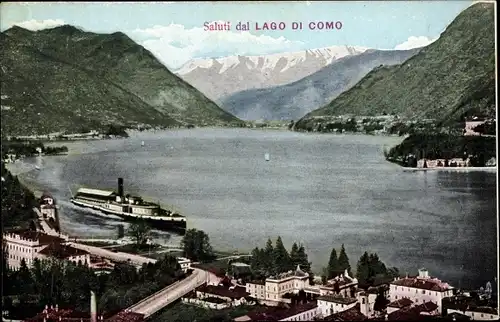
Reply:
x=120, y=187
x=93, y=307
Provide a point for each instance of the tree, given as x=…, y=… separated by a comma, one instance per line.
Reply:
x=363, y=269
x=121, y=232
x=268, y=257
x=281, y=257
x=196, y=245
x=344, y=261
x=294, y=256
x=333, y=265
x=140, y=232
x=380, y=302
x=305, y=265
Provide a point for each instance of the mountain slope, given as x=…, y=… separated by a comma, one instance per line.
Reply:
x=62, y=78
x=218, y=78
x=451, y=78
x=294, y=100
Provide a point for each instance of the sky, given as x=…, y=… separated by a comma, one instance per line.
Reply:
x=175, y=32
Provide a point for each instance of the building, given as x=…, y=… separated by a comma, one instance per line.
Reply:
x=366, y=302
x=48, y=207
x=475, y=309
x=185, y=263
x=25, y=245
x=275, y=287
x=331, y=304
x=218, y=296
x=414, y=313
x=471, y=123
x=65, y=252
x=302, y=312
x=342, y=284
x=351, y=314
x=420, y=289
x=399, y=304
x=438, y=163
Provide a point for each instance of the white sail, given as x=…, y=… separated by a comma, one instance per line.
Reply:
x=142, y=143
x=266, y=156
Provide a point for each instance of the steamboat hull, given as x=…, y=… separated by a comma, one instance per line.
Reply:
x=173, y=224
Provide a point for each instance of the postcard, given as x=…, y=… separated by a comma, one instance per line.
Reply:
x=249, y=161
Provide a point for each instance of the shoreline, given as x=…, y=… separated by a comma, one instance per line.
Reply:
x=453, y=169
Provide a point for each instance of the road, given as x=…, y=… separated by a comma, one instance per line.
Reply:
x=157, y=301
x=118, y=256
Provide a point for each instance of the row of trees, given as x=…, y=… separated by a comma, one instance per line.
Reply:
x=275, y=259
x=17, y=202
x=370, y=267
x=337, y=265
x=68, y=285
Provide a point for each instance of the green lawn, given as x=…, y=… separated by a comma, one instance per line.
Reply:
x=180, y=312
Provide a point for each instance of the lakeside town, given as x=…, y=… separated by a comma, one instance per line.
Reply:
x=129, y=279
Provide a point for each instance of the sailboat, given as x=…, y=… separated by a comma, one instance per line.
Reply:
x=266, y=157
x=142, y=143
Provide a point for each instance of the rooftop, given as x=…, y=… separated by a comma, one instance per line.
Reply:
x=234, y=293
x=466, y=303
x=337, y=299
x=34, y=236
x=352, y=314
x=432, y=284
x=96, y=192
x=126, y=317
x=61, y=251
x=278, y=314
x=413, y=313
x=297, y=273
x=401, y=303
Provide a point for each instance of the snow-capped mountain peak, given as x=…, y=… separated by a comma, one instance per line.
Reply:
x=219, y=77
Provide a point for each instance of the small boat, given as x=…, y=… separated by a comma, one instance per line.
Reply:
x=266, y=157
x=142, y=143
x=37, y=167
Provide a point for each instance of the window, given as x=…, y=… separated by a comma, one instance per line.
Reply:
x=363, y=301
x=423, y=291
x=396, y=297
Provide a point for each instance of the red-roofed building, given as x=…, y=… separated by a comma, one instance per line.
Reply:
x=399, y=304
x=218, y=296
x=302, y=312
x=351, y=314
x=420, y=289
x=414, y=313
x=343, y=283
x=65, y=252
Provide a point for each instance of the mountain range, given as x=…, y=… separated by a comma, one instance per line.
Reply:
x=294, y=100
x=450, y=79
x=221, y=77
x=66, y=79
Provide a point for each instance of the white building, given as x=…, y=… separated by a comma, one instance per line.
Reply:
x=478, y=313
x=184, y=262
x=23, y=244
x=332, y=304
x=346, y=285
x=27, y=245
x=420, y=289
x=48, y=206
x=275, y=287
x=65, y=252
x=366, y=302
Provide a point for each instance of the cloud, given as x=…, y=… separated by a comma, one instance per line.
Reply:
x=415, y=42
x=40, y=24
x=175, y=45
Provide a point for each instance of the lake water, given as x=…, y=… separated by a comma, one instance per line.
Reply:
x=320, y=190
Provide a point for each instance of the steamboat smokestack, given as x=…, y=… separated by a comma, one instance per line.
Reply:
x=120, y=187
x=93, y=307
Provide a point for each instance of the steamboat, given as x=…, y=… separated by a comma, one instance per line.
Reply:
x=129, y=208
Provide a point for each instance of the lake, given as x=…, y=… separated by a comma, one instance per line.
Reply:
x=319, y=190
